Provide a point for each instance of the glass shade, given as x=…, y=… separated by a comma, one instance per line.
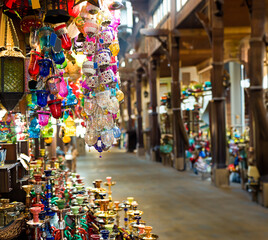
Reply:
x=43, y=117
x=55, y=108
x=45, y=65
x=42, y=97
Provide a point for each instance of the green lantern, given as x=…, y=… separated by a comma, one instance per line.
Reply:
x=12, y=74
x=47, y=131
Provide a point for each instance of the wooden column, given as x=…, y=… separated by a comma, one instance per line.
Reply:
x=259, y=128
x=180, y=138
x=36, y=148
x=217, y=104
x=155, y=130
x=140, y=144
x=129, y=110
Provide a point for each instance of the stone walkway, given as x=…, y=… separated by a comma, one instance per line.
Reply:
x=178, y=205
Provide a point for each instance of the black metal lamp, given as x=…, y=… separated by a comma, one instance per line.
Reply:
x=56, y=11
x=12, y=71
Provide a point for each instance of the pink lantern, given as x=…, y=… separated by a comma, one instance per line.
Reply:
x=63, y=88
x=43, y=118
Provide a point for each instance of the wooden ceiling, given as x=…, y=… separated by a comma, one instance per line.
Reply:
x=194, y=43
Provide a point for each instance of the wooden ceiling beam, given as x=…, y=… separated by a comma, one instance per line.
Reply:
x=228, y=31
x=195, y=52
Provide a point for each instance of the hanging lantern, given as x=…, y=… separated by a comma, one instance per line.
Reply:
x=70, y=128
x=66, y=139
x=29, y=22
x=56, y=11
x=48, y=130
x=11, y=78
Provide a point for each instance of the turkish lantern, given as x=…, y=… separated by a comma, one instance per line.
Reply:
x=12, y=73
x=56, y=11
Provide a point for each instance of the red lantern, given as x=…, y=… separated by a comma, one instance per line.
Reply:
x=62, y=34
x=28, y=22
x=33, y=68
x=73, y=10
x=55, y=108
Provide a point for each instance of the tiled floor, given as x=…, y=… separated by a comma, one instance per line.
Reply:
x=179, y=205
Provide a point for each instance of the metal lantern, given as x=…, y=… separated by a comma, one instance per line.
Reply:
x=12, y=71
x=56, y=11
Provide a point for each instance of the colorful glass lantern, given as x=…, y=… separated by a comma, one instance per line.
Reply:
x=43, y=117
x=34, y=38
x=90, y=27
x=11, y=69
x=113, y=105
x=109, y=121
x=45, y=65
x=116, y=132
x=103, y=98
x=34, y=129
x=33, y=68
x=48, y=131
x=57, y=11
x=104, y=58
x=63, y=88
x=55, y=108
x=89, y=48
x=66, y=139
x=49, y=140
x=70, y=128
x=29, y=22
x=115, y=5
x=120, y=95
x=62, y=34
x=92, y=81
x=88, y=68
x=91, y=138
x=71, y=98
x=92, y=9
x=107, y=77
x=90, y=105
x=44, y=37
x=54, y=84
x=106, y=37
x=58, y=57
x=107, y=137
x=42, y=97
x=114, y=47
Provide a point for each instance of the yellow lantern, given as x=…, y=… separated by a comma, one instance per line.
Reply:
x=119, y=95
x=66, y=139
x=70, y=128
x=48, y=140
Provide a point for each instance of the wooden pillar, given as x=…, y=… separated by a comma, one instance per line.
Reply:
x=129, y=110
x=36, y=148
x=140, y=143
x=179, y=132
x=259, y=125
x=217, y=104
x=180, y=138
x=218, y=134
x=155, y=130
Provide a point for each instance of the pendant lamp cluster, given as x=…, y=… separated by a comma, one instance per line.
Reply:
x=72, y=71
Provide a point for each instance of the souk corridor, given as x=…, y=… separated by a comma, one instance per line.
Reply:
x=179, y=205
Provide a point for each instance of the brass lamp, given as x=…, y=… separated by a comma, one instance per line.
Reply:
x=12, y=74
